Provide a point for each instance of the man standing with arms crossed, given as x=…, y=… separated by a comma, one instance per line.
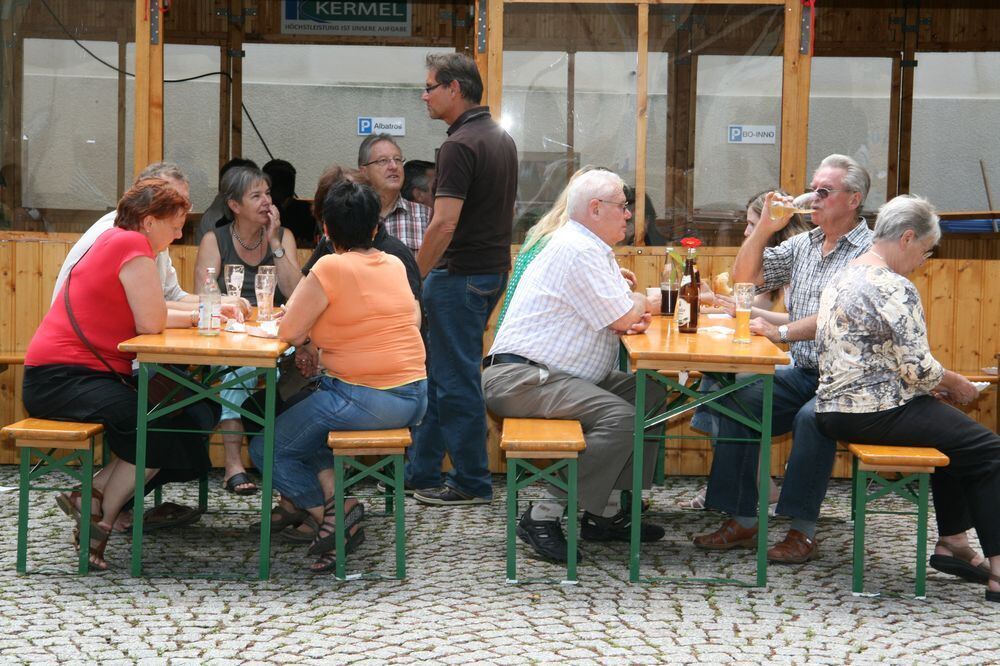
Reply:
x=806, y=262
x=465, y=257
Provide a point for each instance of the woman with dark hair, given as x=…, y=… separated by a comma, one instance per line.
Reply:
x=74, y=370
x=357, y=308
x=253, y=239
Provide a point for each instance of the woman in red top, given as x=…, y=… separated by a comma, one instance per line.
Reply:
x=114, y=294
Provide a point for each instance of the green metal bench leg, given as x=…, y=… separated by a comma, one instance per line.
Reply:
x=659, y=472
x=86, y=494
x=400, y=515
x=921, y=586
x=511, y=519
x=105, y=451
x=158, y=496
x=203, y=492
x=572, y=524
x=22, y=511
x=860, y=499
x=338, y=500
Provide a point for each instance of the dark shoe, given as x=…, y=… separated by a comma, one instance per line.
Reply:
x=326, y=535
x=408, y=490
x=169, y=514
x=959, y=563
x=328, y=561
x=545, y=537
x=616, y=528
x=730, y=535
x=233, y=483
x=282, y=518
x=795, y=548
x=297, y=534
x=447, y=496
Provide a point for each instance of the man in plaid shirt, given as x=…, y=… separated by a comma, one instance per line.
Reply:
x=806, y=263
x=381, y=160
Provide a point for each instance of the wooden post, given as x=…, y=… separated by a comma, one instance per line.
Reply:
x=892, y=168
x=235, y=44
x=12, y=107
x=494, y=57
x=148, y=84
x=122, y=92
x=794, y=102
x=681, y=105
x=641, y=120
x=911, y=19
x=225, y=101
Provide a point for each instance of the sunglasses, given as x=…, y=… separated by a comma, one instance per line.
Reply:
x=823, y=192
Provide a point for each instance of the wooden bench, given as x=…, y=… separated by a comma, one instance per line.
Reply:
x=42, y=438
x=10, y=358
x=545, y=439
x=390, y=447
x=911, y=463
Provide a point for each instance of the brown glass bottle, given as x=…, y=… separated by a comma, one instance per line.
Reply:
x=687, y=306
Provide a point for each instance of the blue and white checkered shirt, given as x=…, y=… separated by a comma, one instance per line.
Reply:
x=799, y=263
x=566, y=299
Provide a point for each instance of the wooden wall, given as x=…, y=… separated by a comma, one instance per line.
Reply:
x=960, y=297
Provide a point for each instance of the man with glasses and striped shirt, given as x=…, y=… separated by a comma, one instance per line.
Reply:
x=381, y=161
x=806, y=262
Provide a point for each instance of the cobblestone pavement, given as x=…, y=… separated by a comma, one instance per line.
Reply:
x=456, y=607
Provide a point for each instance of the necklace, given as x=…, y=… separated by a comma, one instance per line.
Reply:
x=877, y=255
x=251, y=248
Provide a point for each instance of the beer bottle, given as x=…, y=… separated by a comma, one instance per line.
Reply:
x=687, y=304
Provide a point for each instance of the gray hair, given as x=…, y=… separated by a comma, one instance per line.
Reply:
x=365, y=151
x=165, y=170
x=238, y=180
x=856, y=178
x=907, y=211
x=448, y=67
x=596, y=184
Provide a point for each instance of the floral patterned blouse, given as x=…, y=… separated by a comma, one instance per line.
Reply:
x=872, y=339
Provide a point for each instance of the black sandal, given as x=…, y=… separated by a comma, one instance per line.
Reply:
x=326, y=536
x=282, y=518
x=959, y=564
x=327, y=562
x=241, y=479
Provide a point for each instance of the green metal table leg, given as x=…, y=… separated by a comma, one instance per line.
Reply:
x=86, y=494
x=22, y=510
x=511, y=518
x=764, y=480
x=921, y=587
x=660, y=473
x=338, y=501
x=860, y=499
x=267, y=480
x=158, y=496
x=400, y=515
x=638, y=437
x=140, y=469
x=572, y=524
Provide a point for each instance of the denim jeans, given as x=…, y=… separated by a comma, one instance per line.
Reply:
x=300, y=433
x=457, y=308
x=732, y=484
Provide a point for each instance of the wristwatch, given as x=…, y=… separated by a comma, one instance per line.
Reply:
x=783, y=332
x=279, y=252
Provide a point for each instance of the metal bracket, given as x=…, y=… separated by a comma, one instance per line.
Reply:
x=236, y=20
x=236, y=53
x=154, y=22
x=914, y=27
x=908, y=63
x=481, y=27
x=805, y=33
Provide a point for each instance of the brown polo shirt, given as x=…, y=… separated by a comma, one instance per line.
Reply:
x=478, y=164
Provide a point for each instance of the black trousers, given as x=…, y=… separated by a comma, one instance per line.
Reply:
x=967, y=491
x=76, y=393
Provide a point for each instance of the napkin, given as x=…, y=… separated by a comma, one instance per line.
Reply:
x=234, y=326
x=716, y=330
x=980, y=386
x=267, y=329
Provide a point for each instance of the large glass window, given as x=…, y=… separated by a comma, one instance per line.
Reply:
x=849, y=115
x=956, y=110
x=569, y=97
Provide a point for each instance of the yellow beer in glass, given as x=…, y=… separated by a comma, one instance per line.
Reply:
x=743, y=292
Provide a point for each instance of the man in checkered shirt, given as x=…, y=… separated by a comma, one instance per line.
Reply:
x=555, y=356
x=381, y=161
x=806, y=263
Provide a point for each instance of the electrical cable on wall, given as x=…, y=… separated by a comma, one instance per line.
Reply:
x=183, y=80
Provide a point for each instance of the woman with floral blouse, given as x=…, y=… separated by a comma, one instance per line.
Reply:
x=879, y=384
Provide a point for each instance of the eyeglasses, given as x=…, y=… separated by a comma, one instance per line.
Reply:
x=383, y=162
x=621, y=205
x=430, y=89
x=930, y=253
x=823, y=192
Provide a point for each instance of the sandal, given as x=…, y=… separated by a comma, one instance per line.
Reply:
x=296, y=535
x=328, y=561
x=169, y=514
x=696, y=503
x=326, y=536
x=98, y=542
x=991, y=595
x=68, y=503
x=282, y=518
x=233, y=483
x=959, y=563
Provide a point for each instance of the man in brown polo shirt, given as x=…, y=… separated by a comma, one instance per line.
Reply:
x=465, y=258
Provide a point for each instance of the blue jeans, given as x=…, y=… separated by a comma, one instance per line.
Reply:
x=732, y=484
x=300, y=433
x=457, y=309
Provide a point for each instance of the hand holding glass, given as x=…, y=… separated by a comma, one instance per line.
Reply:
x=744, y=293
x=801, y=204
x=264, y=287
x=234, y=279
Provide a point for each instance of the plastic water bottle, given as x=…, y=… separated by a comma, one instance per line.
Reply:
x=210, y=305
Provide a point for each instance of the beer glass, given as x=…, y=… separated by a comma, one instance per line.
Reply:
x=801, y=204
x=264, y=285
x=234, y=279
x=743, y=294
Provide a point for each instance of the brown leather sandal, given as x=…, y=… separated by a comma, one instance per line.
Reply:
x=959, y=564
x=68, y=503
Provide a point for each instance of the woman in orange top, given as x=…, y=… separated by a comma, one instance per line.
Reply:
x=357, y=308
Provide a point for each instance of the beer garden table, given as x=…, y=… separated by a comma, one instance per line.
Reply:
x=183, y=347
x=662, y=348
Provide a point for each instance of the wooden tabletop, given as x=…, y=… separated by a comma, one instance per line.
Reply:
x=662, y=347
x=185, y=345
